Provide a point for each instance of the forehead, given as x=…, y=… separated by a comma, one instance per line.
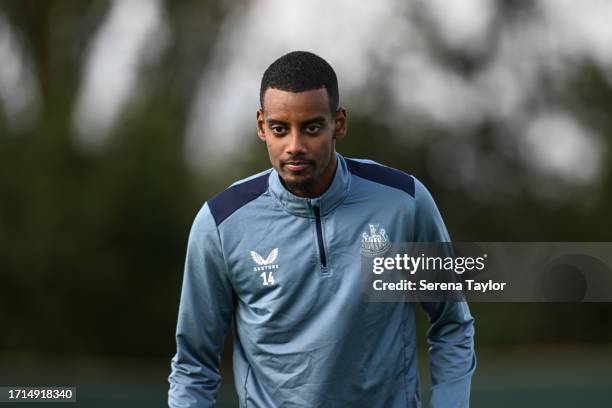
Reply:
x=286, y=105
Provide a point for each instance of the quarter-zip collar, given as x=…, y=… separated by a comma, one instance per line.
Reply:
x=302, y=206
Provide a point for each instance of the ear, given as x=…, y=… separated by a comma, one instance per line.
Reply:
x=340, y=123
x=261, y=123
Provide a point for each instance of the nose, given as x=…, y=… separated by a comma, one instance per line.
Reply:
x=295, y=143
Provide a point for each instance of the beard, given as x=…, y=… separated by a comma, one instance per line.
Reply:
x=299, y=186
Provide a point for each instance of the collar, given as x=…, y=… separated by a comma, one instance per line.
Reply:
x=329, y=200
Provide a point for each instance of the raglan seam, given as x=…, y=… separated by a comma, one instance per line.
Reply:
x=386, y=185
x=243, y=206
x=387, y=168
x=236, y=184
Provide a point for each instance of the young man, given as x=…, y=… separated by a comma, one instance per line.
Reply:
x=280, y=252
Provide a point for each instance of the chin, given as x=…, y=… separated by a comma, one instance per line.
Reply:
x=299, y=183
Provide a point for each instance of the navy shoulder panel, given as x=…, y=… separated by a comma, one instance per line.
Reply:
x=382, y=174
x=228, y=201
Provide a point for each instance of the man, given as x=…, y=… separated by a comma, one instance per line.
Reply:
x=280, y=251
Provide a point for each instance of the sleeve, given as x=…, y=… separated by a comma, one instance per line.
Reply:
x=452, y=359
x=205, y=311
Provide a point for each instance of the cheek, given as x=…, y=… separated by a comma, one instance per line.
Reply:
x=325, y=146
x=274, y=148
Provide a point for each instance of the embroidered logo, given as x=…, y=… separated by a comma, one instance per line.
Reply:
x=376, y=242
x=269, y=260
x=267, y=265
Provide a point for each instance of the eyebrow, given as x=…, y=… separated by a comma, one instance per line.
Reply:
x=317, y=119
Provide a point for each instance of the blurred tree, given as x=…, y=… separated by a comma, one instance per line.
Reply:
x=92, y=242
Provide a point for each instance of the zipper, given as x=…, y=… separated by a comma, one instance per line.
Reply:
x=317, y=214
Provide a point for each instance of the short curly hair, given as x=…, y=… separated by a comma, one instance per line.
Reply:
x=300, y=71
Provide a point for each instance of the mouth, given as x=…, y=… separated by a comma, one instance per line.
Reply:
x=296, y=165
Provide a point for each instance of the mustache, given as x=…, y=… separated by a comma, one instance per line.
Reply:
x=297, y=159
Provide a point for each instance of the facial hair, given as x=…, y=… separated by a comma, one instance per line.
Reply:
x=301, y=186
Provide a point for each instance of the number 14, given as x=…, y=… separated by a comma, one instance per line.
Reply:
x=267, y=279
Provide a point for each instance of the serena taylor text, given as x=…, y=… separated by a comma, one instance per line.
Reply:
x=424, y=285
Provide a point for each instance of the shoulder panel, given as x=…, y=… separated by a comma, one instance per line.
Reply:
x=382, y=174
x=237, y=195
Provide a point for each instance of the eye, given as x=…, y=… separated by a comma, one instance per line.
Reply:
x=313, y=129
x=278, y=130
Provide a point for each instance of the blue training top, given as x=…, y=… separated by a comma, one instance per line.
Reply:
x=287, y=270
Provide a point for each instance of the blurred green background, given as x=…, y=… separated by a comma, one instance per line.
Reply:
x=118, y=119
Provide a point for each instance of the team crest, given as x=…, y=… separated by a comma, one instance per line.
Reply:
x=376, y=242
